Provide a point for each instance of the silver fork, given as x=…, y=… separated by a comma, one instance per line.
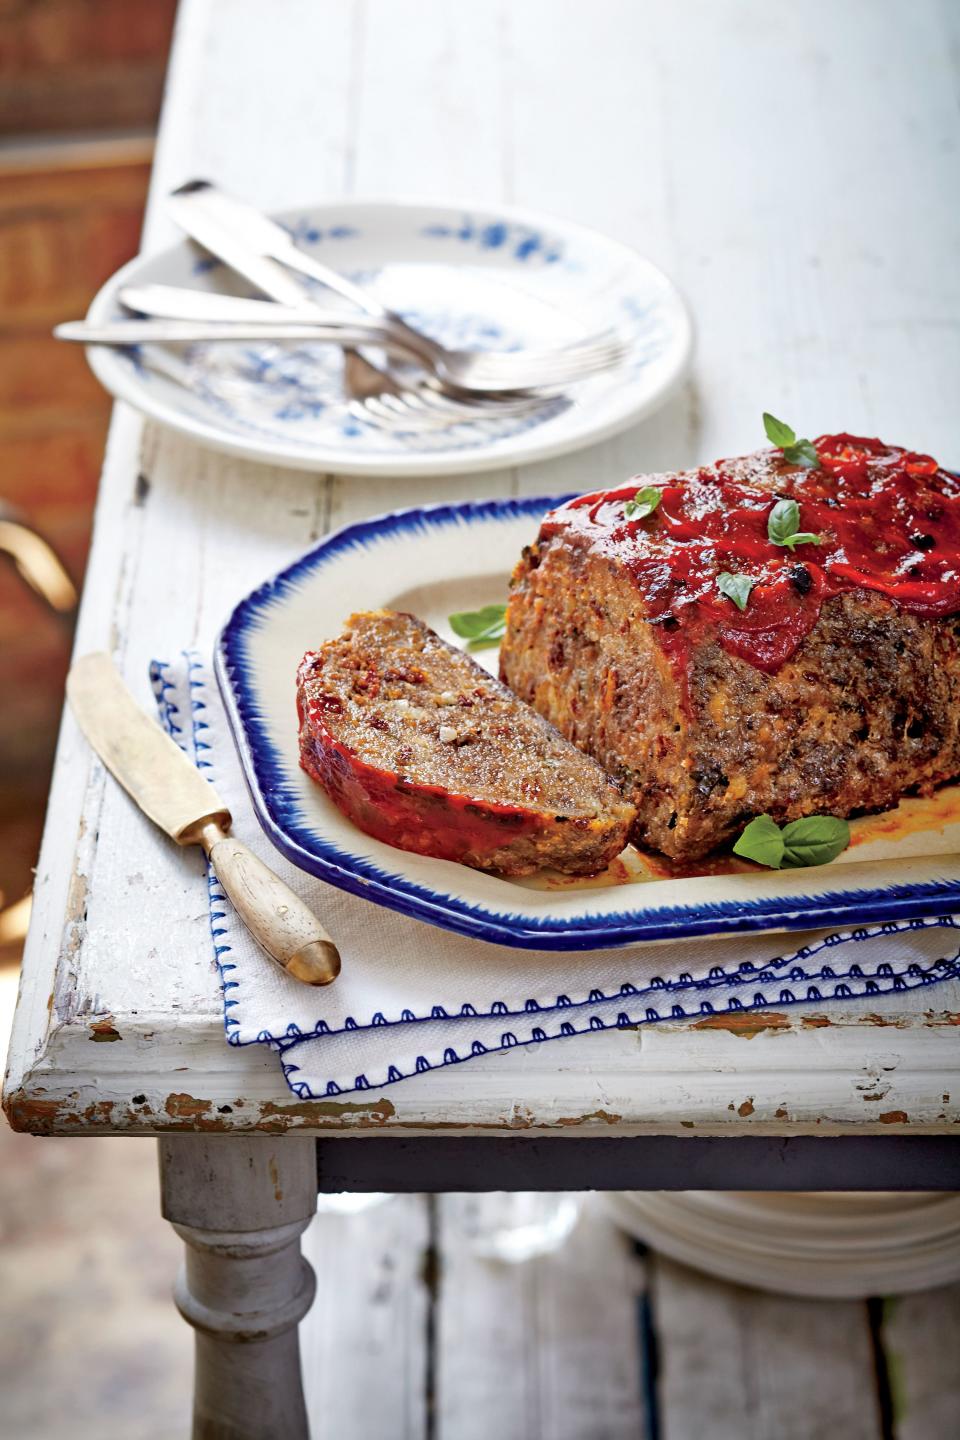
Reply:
x=379, y=399
x=259, y=248
x=377, y=396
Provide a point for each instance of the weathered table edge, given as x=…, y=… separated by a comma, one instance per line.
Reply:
x=103, y=1073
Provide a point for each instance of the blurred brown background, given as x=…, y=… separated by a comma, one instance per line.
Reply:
x=80, y=89
x=84, y=1282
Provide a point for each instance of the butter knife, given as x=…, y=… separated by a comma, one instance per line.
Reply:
x=264, y=252
x=260, y=248
x=187, y=332
x=175, y=796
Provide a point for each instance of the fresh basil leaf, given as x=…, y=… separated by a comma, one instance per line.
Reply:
x=795, y=450
x=802, y=453
x=814, y=840
x=480, y=628
x=783, y=526
x=778, y=433
x=643, y=503
x=783, y=522
x=736, y=588
x=761, y=841
x=472, y=624
x=494, y=620
x=493, y=636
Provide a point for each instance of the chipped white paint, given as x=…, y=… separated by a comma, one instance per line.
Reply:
x=760, y=197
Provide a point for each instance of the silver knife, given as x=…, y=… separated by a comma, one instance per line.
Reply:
x=185, y=332
x=175, y=796
x=253, y=245
x=176, y=302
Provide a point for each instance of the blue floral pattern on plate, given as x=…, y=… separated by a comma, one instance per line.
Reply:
x=475, y=278
x=260, y=387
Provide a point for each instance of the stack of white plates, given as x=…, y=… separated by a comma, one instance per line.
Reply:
x=842, y=1245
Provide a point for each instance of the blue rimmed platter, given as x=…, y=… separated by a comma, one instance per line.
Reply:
x=479, y=277
x=435, y=561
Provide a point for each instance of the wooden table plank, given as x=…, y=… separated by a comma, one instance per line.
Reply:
x=739, y=1364
x=364, y=1345
x=543, y=1350
x=921, y=1340
x=761, y=197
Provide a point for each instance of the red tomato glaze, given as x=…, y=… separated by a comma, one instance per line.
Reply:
x=888, y=520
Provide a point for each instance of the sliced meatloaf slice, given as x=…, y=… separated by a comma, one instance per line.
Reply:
x=422, y=748
x=833, y=690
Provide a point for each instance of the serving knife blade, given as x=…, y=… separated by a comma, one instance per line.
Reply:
x=175, y=796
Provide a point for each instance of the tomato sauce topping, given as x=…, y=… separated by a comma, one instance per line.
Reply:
x=887, y=519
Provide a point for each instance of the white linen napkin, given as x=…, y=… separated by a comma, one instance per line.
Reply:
x=412, y=997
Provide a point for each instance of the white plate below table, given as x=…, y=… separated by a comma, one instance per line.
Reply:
x=474, y=276
x=843, y=1245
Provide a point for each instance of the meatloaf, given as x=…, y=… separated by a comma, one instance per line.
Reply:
x=833, y=690
x=422, y=748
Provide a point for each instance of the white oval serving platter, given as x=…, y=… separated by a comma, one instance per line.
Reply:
x=434, y=561
x=479, y=277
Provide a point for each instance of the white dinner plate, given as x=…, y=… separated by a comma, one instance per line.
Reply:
x=434, y=561
x=840, y=1245
x=477, y=277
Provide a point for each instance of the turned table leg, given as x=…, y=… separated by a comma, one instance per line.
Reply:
x=241, y=1205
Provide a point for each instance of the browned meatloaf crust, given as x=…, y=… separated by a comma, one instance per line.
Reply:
x=422, y=748
x=834, y=691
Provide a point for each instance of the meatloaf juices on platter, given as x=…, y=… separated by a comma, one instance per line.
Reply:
x=772, y=635
x=423, y=749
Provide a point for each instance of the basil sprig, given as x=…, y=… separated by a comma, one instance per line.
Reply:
x=481, y=628
x=783, y=526
x=761, y=841
x=643, y=503
x=798, y=452
x=814, y=840
x=736, y=588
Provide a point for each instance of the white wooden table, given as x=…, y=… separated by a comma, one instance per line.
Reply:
x=794, y=167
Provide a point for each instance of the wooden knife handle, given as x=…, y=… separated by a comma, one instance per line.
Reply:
x=277, y=919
